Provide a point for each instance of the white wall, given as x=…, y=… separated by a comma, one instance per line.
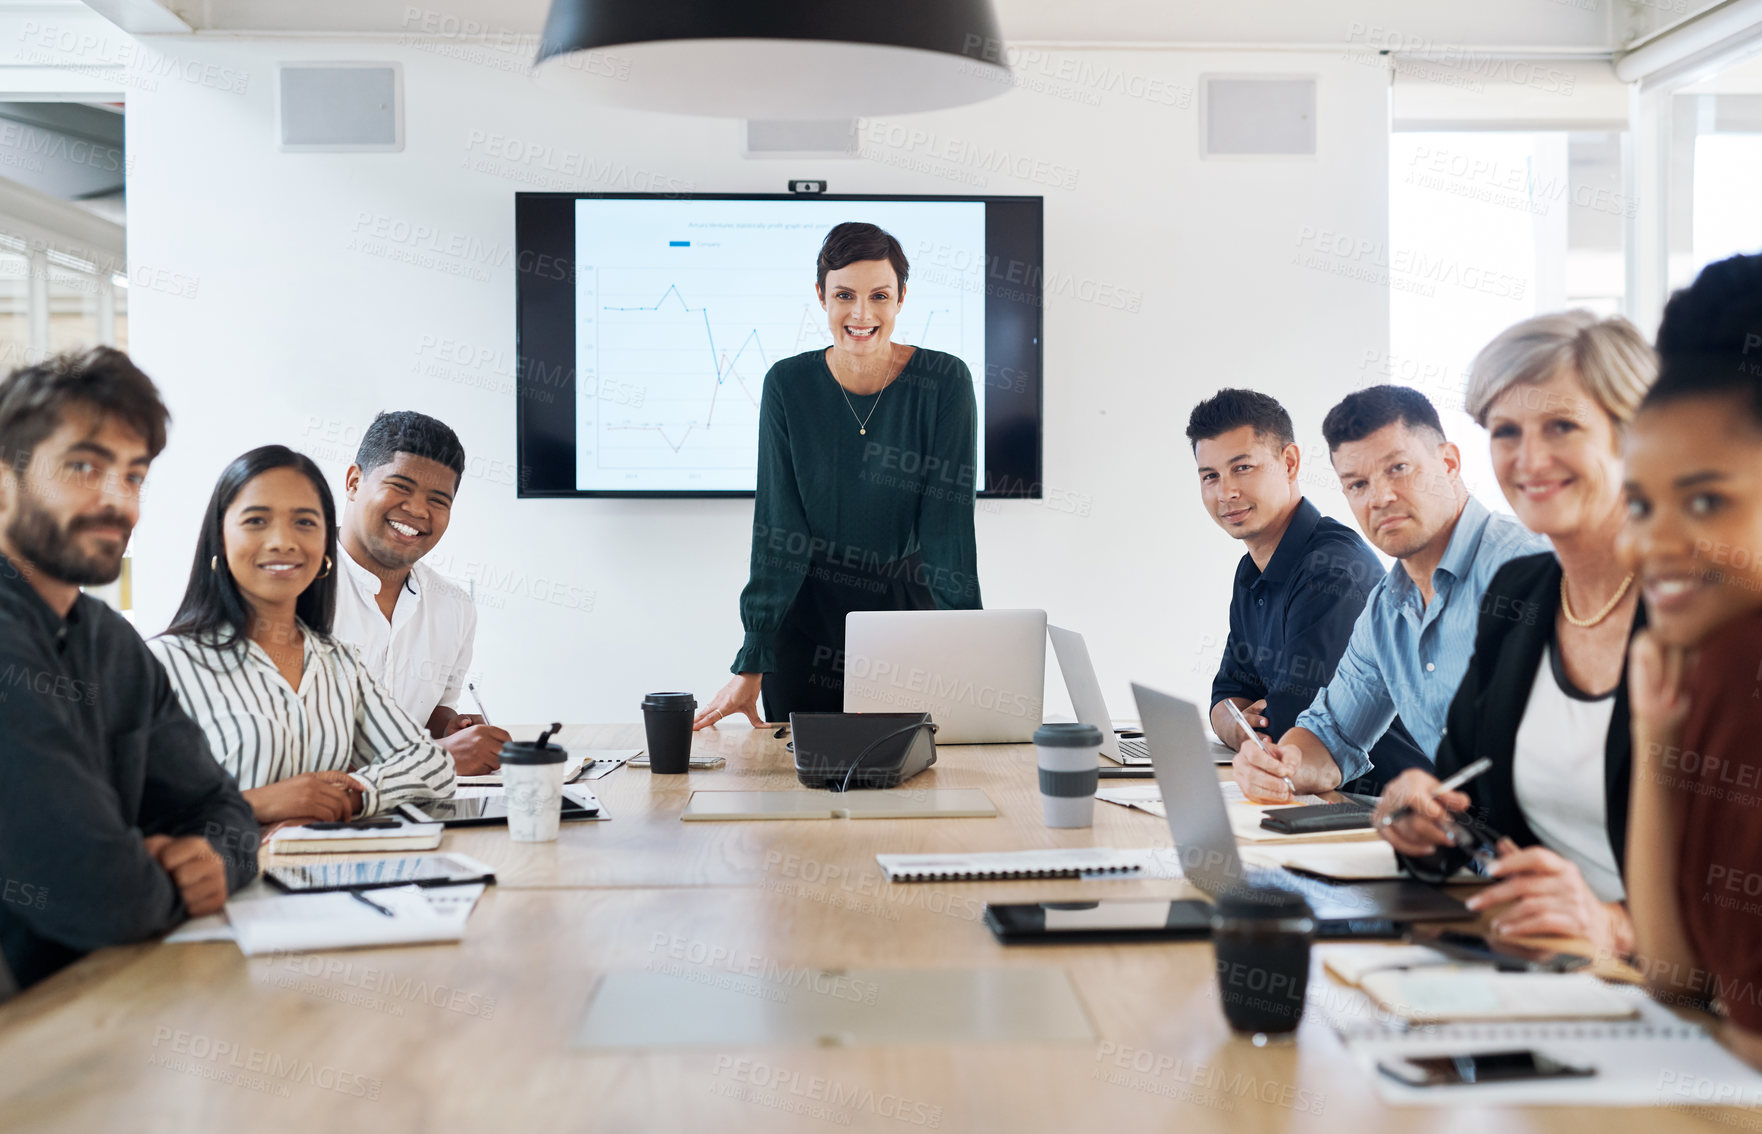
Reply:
x=272, y=314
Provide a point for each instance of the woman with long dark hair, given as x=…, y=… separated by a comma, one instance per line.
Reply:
x=288, y=710
x=867, y=474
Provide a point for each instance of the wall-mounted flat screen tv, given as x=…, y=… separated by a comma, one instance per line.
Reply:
x=646, y=324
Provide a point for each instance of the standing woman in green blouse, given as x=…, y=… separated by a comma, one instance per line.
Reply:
x=867, y=454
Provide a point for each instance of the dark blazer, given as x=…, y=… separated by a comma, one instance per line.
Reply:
x=1510, y=643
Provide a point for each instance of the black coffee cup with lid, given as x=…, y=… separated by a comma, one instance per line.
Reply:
x=667, y=718
x=1262, y=937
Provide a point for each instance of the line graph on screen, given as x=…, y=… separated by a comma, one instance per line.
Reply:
x=682, y=307
x=696, y=345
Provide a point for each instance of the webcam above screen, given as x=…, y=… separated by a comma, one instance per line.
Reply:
x=646, y=323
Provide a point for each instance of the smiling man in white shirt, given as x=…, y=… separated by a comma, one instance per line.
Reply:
x=414, y=628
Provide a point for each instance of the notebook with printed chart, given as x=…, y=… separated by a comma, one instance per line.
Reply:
x=342, y=920
x=259, y=920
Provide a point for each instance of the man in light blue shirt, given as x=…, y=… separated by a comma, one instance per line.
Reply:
x=1412, y=643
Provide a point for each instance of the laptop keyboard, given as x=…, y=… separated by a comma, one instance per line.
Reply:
x=1134, y=752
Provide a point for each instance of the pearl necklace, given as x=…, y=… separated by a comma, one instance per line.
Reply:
x=1587, y=623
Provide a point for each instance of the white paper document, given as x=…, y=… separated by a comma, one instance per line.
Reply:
x=1244, y=815
x=263, y=921
x=603, y=760
x=1361, y=861
x=1142, y=797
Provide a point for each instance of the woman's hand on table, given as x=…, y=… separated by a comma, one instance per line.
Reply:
x=740, y=695
x=1550, y=898
x=327, y=796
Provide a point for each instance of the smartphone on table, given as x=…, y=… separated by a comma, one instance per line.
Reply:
x=1509, y=956
x=1479, y=1067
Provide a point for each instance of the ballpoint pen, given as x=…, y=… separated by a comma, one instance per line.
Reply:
x=370, y=903
x=476, y=700
x=1450, y=784
x=1248, y=731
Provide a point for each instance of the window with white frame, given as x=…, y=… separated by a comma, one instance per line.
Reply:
x=1487, y=228
x=53, y=299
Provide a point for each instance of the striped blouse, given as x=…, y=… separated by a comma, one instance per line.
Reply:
x=340, y=719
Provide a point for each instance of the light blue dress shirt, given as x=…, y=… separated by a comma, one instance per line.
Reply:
x=1407, y=657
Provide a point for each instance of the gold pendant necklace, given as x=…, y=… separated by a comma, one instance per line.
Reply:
x=862, y=422
x=1587, y=623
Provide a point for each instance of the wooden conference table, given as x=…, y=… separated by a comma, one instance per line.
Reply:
x=477, y=1036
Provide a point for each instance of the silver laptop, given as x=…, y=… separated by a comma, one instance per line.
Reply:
x=980, y=674
x=1200, y=826
x=1091, y=707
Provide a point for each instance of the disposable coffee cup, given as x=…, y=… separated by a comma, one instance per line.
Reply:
x=1070, y=769
x=666, y=718
x=532, y=781
x=1261, y=939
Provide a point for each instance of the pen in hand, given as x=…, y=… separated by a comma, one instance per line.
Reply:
x=471, y=688
x=1248, y=731
x=1448, y=785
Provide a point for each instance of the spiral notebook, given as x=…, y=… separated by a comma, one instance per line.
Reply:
x=1653, y=1059
x=1073, y=863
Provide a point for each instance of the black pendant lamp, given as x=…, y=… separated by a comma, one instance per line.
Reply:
x=796, y=59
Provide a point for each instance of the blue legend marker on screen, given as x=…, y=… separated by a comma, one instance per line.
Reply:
x=679, y=244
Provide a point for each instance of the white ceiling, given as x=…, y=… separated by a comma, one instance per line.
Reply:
x=1570, y=26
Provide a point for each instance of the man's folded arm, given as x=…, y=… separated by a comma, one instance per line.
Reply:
x=63, y=833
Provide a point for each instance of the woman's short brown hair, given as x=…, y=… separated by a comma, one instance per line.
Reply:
x=855, y=241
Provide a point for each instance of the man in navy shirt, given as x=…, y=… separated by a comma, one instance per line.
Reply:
x=116, y=821
x=1299, y=589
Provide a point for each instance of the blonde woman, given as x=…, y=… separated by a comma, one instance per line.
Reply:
x=1545, y=696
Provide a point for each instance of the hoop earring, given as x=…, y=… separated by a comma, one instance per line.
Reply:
x=325, y=574
x=214, y=563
